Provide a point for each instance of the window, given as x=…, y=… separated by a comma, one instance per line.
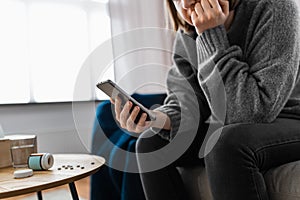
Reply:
x=43, y=45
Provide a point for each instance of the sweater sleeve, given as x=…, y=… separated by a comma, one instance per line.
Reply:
x=257, y=82
x=185, y=103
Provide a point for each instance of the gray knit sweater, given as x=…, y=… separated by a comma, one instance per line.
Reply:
x=249, y=74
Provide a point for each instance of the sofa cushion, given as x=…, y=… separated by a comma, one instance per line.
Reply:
x=283, y=182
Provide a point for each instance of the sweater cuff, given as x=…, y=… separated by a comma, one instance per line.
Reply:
x=211, y=41
x=175, y=117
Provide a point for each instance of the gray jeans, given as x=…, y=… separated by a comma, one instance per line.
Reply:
x=235, y=166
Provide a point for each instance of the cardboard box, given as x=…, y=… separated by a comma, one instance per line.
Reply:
x=5, y=155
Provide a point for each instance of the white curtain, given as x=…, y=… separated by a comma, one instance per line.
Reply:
x=142, y=46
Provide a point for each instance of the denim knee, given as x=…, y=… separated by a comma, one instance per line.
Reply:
x=233, y=146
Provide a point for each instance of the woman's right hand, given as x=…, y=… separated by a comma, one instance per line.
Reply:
x=208, y=14
x=126, y=119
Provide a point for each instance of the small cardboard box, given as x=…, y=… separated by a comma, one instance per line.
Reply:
x=5, y=155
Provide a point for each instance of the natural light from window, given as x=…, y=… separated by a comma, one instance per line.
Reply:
x=43, y=45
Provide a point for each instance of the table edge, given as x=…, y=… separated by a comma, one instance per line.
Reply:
x=51, y=185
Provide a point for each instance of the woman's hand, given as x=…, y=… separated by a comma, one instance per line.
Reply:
x=209, y=14
x=126, y=119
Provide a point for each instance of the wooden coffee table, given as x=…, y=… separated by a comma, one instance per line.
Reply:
x=67, y=169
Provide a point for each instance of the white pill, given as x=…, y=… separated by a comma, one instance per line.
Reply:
x=23, y=173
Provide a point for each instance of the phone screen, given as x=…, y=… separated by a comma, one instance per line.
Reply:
x=113, y=90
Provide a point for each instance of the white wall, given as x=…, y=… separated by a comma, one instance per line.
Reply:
x=52, y=123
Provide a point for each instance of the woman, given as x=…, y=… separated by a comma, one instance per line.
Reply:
x=252, y=46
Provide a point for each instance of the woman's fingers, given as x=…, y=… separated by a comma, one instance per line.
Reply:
x=130, y=122
x=224, y=4
x=194, y=17
x=199, y=9
x=127, y=119
x=209, y=14
x=209, y=9
x=112, y=101
x=215, y=4
x=142, y=125
x=206, y=5
x=118, y=108
x=125, y=114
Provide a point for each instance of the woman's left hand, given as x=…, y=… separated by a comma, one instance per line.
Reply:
x=209, y=14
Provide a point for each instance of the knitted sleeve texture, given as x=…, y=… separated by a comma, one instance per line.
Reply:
x=259, y=79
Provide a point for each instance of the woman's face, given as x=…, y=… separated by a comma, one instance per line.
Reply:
x=185, y=9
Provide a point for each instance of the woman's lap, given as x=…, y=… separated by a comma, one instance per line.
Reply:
x=245, y=151
x=278, y=140
x=240, y=147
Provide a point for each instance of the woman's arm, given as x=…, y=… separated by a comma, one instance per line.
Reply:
x=259, y=81
x=185, y=104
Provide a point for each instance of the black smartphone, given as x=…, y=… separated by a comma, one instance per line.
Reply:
x=113, y=90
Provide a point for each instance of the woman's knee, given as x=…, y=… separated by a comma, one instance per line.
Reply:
x=234, y=143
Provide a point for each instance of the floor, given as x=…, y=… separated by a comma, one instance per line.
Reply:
x=82, y=186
